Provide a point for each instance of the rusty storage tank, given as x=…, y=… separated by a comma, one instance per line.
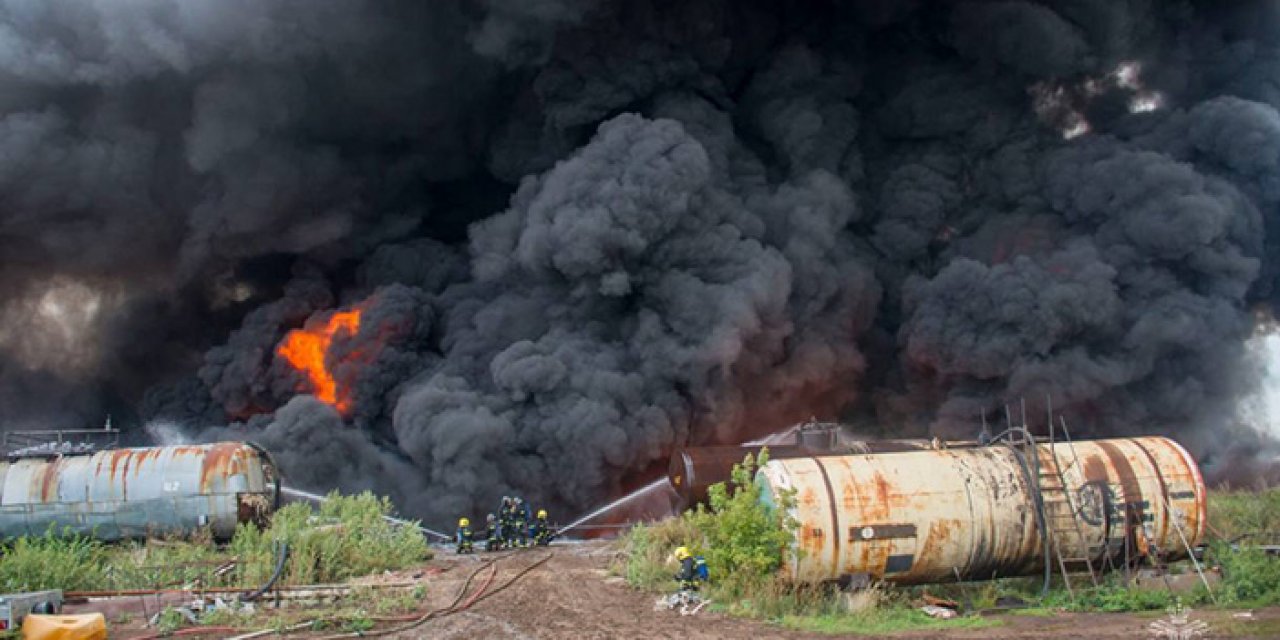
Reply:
x=971, y=513
x=132, y=493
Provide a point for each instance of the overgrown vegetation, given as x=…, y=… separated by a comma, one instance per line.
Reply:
x=1237, y=514
x=744, y=544
x=347, y=536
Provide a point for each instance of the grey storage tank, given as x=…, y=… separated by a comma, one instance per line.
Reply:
x=138, y=492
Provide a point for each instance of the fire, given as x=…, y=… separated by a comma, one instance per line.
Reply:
x=306, y=349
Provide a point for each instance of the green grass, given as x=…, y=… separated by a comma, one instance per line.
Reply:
x=346, y=537
x=882, y=621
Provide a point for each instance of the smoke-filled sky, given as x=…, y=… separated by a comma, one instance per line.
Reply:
x=580, y=233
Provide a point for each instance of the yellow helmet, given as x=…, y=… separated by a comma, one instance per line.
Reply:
x=682, y=553
x=463, y=522
x=542, y=513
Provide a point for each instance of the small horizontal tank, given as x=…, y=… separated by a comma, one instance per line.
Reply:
x=133, y=493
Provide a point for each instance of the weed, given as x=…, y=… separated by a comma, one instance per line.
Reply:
x=647, y=553
x=358, y=623
x=56, y=560
x=1111, y=598
x=1244, y=513
x=169, y=620
x=223, y=618
x=1250, y=577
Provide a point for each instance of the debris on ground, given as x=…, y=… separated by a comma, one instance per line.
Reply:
x=688, y=602
x=941, y=613
x=939, y=602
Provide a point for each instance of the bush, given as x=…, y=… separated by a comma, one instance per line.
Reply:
x=1111, y=598
x=743, y=540
x=1249, y=576
x=347, y=537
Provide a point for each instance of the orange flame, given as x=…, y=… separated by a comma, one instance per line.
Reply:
x=305, y=350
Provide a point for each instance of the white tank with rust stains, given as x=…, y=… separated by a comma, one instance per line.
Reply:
x=134, y=493
x=969, y=514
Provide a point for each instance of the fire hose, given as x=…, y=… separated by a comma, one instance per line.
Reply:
x=282, y=554
x=455, y=607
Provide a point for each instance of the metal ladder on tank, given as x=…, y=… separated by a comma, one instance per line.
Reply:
x=1062, y=515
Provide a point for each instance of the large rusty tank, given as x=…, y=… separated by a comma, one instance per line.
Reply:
x=132, y=493
x=980, y=512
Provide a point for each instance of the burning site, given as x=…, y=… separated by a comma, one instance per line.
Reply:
x=457, y=250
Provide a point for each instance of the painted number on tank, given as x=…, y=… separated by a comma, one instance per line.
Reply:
x=171, y=486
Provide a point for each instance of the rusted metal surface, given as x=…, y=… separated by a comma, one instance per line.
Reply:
x=693, y=470
x=969, y=513
x=130, y=493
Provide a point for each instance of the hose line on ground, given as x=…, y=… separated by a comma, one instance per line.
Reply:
x=282, y=554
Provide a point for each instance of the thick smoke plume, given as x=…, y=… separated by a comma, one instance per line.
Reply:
x=581, y=233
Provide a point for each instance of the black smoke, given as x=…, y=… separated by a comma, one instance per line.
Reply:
x=584, y=232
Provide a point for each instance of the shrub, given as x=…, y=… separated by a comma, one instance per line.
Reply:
x=1249, y=576
x=743, y=540
x=349, y=536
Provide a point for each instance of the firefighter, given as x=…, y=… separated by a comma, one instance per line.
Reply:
x=506, y=521
x=492, y=534
x=541, y=529
x=692, y=569
x=521, y=522
x=464, y=536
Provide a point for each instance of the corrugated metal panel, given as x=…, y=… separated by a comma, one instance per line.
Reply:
x=933, y=516
x=127, y=493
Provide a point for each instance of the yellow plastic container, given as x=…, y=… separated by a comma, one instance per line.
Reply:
x=88, y=626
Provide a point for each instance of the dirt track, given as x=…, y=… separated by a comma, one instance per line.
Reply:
x=572, y=596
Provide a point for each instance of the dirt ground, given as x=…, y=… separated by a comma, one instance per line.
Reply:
x=571, y=595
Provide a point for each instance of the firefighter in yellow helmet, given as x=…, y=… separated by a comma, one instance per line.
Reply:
x=692, y=570
x=463, y=536
x=541, y=529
